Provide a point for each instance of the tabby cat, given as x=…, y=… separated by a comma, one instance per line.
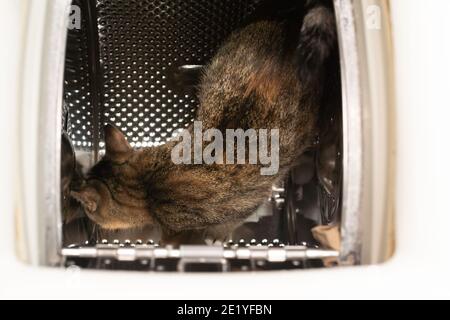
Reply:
x=260, y=78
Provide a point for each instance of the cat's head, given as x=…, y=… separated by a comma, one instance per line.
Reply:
x=114, y=196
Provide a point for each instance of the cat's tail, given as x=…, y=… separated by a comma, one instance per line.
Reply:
x=318, y=38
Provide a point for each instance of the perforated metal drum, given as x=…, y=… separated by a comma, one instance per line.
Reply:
x=141, y=45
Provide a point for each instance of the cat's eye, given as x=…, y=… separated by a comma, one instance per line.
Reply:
x=135, y=65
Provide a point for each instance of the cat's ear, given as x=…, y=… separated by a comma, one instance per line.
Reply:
x=117, y=146
x=88, y=198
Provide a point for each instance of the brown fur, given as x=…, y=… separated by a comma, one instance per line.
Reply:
x=252, y=82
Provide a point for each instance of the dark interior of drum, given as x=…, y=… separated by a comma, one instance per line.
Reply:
x=125, y=67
